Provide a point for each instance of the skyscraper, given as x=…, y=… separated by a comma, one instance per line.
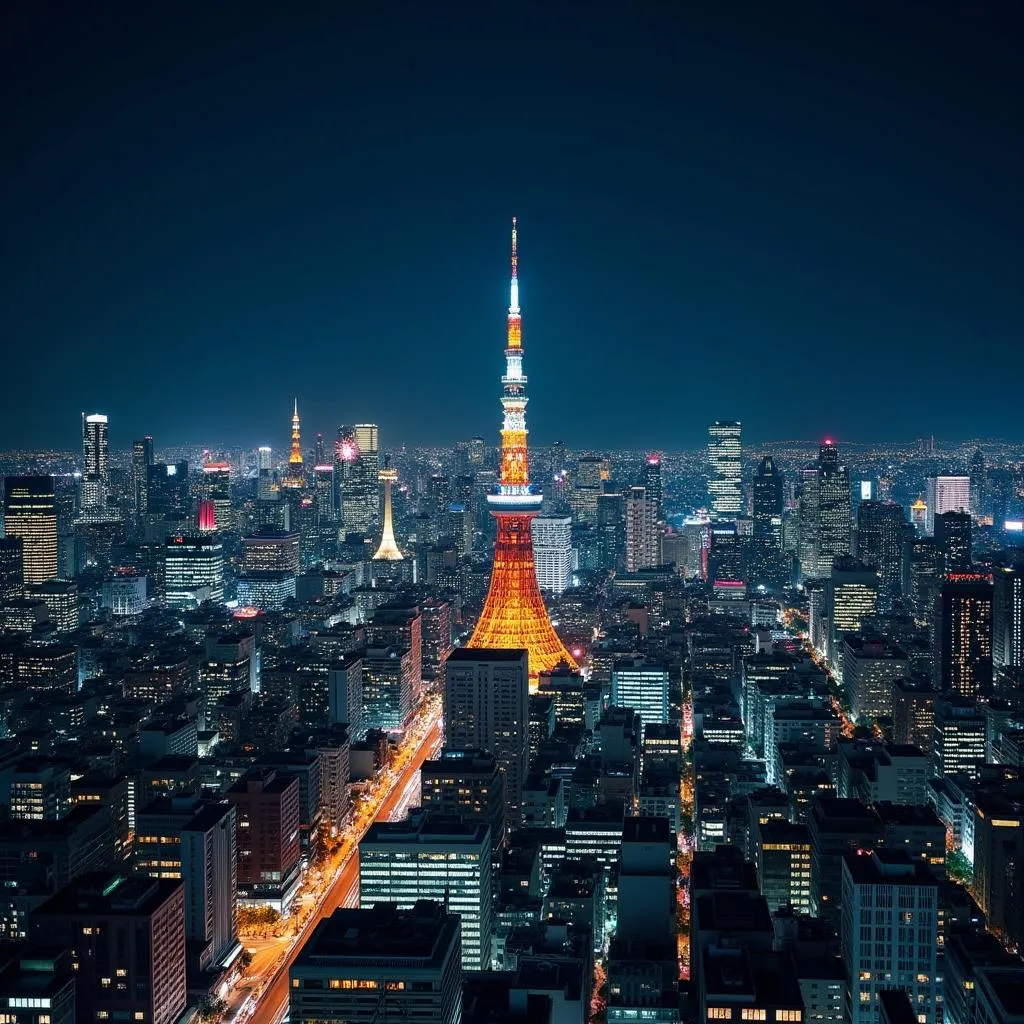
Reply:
x=946, y=493
x=725, y=469
x=641, y=530
x=953, y=539
x=486, y=707
x=514, y=615
x=652, y=485
x=852, y=597
x=142, y=458
x=193, y=570
x=1008, y=618
x=12, y=568
x=963, y=636
x=96, y=462
x=881, y=529
x=30, y=513
x=552, y=552
x=768, y=567
x=834, y=512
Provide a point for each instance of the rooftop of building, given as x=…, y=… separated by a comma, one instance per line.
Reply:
x=487, y=654
x=1007, y=984
x=427, y=827
x=646, y=830
x=109, y=894
x=382, y=932
x=733, y=975
x=887, y=867
x=35, y=971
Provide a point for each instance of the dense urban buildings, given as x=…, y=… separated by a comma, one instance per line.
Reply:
x=719, y=734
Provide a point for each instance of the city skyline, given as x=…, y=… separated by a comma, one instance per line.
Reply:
x=860, y=215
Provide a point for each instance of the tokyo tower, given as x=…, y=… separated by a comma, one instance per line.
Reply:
x=514, y=614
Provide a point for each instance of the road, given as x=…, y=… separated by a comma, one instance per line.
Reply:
x=272, y=999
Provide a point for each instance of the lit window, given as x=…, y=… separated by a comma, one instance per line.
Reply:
x=719, y=1013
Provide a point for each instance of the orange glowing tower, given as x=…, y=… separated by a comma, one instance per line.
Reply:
x=514, y=615
x=296, y=475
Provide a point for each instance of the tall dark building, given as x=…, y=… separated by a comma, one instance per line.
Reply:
x=167, y=489
x=834, y=511
x=963, y=636
x=611, y=526
x=652, y=485
x=881, y=528
x=767, y=565
x=142, y=459
x=12, y=568
x=922, y=571
x=1000, y=495
x=953, y=539
x=30, y=513
x=979, y=496
x=1008, y=618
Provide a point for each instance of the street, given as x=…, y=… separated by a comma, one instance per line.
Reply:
x=262, y=995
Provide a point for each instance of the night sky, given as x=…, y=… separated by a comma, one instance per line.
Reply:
x=805, y=216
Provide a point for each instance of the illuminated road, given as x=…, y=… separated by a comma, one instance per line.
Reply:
x=272, y=1002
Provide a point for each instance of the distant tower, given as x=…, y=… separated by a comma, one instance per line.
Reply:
x=96, y=459
x=388, y=549
x=725, y=469
x=514, y=616
x=834, y=524
x=296, y=476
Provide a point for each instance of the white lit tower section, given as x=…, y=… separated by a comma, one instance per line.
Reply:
x=96, y=461
x=725, y=475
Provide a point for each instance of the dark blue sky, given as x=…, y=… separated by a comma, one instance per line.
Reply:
x=805, y=216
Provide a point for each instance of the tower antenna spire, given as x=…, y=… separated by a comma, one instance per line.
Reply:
x=513, y=306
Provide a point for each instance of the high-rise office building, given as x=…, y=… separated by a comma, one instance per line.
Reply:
x=999, y=863
x=433, y=857
x=890, y=918
x=487, y=708
x=167, y=489
x=870, y=668
x=95, y=462
x=769, y=567
x=466, y=784
x=652, y=485
x=953, y=539
x=725, y=469
x=641, y=530
x=959, y=737
x=642, y=686
x=12, y=568
x=851, y=597
x=963, y=636
x=832, y=538
x=514, y=616
x=142, y=459
x=1008, y=618
x=552, y=552
x=30, y=514
x=922, y=576
x=377, y=965
x=881, y=530
x=945, y=493
x=193, y=570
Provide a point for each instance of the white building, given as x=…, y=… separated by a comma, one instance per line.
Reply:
x=433, y=857
x=552, y=552
x=125, y=595
x=193, y=571
x=890, y=918
x=643, y=687
x=946, y=494
x=642, y=548
x=725, y=476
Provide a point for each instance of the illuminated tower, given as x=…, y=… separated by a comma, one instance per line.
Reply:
x=388, y=550
x=295, y=477
x=514, y=616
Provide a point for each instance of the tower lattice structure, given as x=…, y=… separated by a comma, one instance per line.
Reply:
x=514, y=614
x=296, y=475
